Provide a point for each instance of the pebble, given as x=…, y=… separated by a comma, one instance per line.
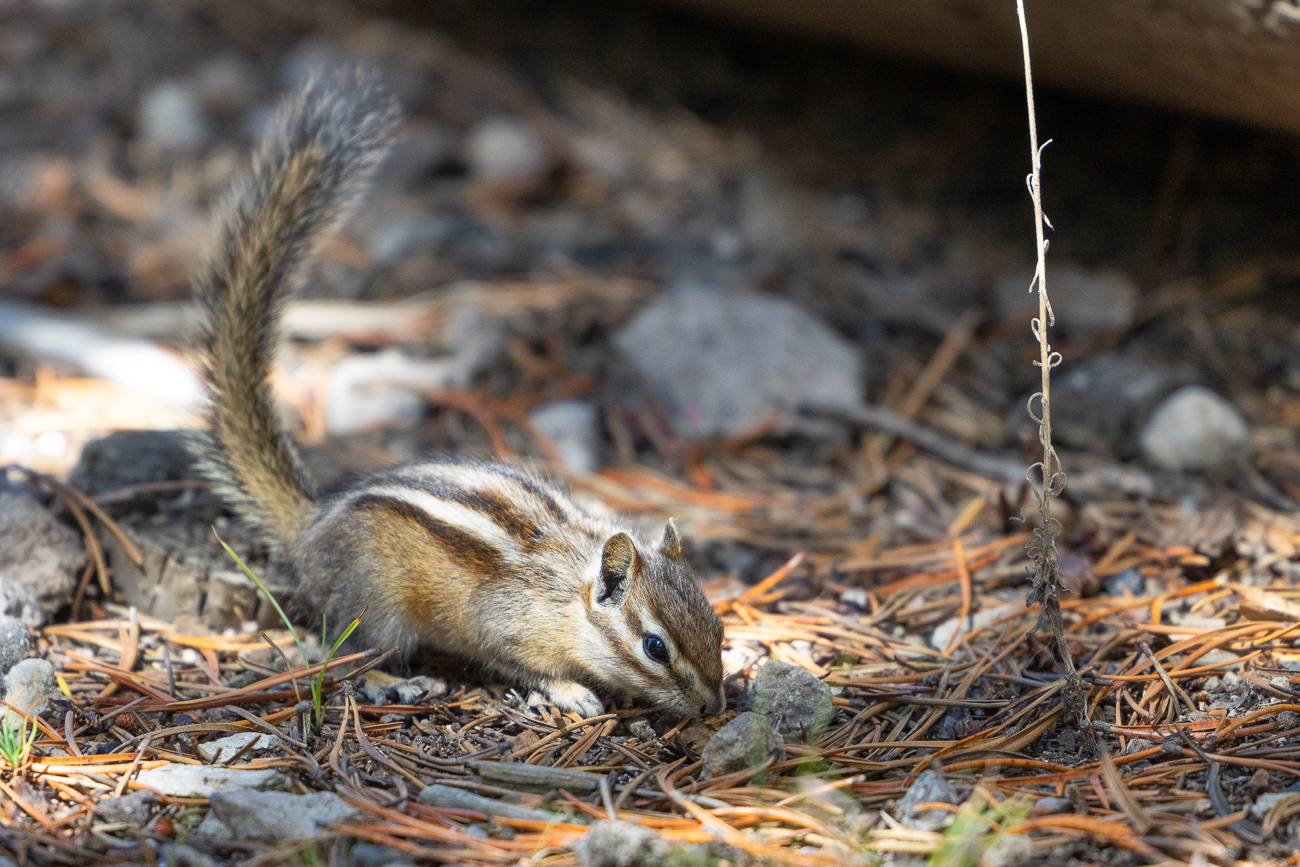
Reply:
x=944, y=632
x=197, y=781
x=721, y=366
x=172, y=119
x=504, y=148
x=623, y=844
x=1053, y=805
x=275, y=816
x=134, y=808
x=745, y=742
x=28, y=686
x=1008, y=850
x=15, y=642
x=1195, y=429
x=1130, y=580
x=39, y=560
x=797, y=703
x=573, y=427
x=930, y=787
x=375, y=855
x=1266, y=802
x=224, y=749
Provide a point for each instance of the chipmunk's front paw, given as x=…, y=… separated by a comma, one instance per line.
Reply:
x=382, y=688
x=569, y=695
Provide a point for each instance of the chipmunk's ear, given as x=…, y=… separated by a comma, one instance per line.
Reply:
x=671, y=544
x=620, y=563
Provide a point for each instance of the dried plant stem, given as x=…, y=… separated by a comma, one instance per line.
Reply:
x=1047, y=571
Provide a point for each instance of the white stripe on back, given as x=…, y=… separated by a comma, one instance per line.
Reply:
x=472, y=522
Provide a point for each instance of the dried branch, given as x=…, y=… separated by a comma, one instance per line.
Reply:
x=1048, y=582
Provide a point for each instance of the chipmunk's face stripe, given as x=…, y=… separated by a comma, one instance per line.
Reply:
x=463, y=547
x=470, y=523
x=616, y=638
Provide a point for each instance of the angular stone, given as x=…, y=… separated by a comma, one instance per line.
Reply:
x=798, y=705
x=40, y=559
x=745, y=742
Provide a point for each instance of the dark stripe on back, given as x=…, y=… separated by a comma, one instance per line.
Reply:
x=503, y=513
x=475, y=555
x=534, y=487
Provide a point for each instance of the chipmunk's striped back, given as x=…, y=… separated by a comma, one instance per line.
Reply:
x=484, y=561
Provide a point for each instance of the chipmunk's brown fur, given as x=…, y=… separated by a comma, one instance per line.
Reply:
x=484, y=561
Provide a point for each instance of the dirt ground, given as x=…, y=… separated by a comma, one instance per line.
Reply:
x=561, y=171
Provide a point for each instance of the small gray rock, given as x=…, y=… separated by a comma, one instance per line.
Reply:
x=198, y=781
x=1054, y=805
x=1008, y=850
x=504, y=148
x=39, y=560
x=798, y=705
x=723, y=365
x=181, y=855
x=213, y=827
x=134, y=808
x=930, y=787
x=375, y=855
x=15, y=642
x=623, y=844
x=1195, y=429
x=1130, y=580
x=944, y=632
x=29, y=686
x=172, y=119
x=572, y=426
x=274, y=816
x=745, y=742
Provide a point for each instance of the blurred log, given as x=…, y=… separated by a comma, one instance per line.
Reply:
x=1234, y=59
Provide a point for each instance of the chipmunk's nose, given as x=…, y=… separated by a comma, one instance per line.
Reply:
x=715, y=706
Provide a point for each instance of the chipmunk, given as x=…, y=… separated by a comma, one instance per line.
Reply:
x=484, y=561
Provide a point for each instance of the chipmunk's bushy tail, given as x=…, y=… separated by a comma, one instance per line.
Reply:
x=315, y=164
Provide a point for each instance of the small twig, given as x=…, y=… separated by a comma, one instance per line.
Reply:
x=1048, y=582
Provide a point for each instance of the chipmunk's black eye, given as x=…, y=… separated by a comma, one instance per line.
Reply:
x=655, y=648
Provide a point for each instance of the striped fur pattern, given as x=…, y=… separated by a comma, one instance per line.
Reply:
x=483, y=561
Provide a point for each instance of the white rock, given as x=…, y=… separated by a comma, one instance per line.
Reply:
x=199, y=781
x=504, y=148
x=943, y=633
x=172, y=119
x=1266, y=802
x=572, y=426
x=723, y=365
x=1195, y=429
x=224, y=749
